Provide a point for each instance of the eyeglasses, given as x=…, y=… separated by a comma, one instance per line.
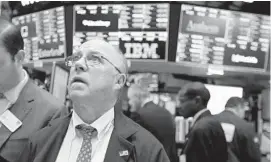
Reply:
x=90, y=60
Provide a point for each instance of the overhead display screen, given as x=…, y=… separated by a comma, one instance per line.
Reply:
x=218, y=100
x=43, y=33
x=222, y=37
x=139, y=30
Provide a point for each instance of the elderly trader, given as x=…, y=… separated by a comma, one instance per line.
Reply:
x=96, y=130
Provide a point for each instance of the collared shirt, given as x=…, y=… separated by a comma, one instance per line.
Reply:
x=12, y=95
x=73, y=140
x=195, y=118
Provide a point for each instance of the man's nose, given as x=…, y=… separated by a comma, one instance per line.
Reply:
x=81, y=65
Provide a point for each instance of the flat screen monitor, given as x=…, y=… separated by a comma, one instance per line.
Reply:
x=220, y=95
x=139, y=30
x=229, y=39
x=43, y=33
x=59, y=83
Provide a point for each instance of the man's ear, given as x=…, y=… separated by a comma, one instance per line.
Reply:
x=121, y=81
x=198, y=100
x=19, y=57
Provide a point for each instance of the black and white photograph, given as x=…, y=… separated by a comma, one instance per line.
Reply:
x=135, y=81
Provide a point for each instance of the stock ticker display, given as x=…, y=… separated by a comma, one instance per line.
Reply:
x=139, y=30
x=43, y=33
x=221, y=37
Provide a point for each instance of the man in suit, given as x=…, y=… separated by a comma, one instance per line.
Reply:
x=265, y=135
x=95, y=130
x=154, y=118
x=243, y=141
x=24, y=107
x=206, y=141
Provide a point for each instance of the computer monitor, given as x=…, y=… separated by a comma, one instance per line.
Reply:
x=220, y=95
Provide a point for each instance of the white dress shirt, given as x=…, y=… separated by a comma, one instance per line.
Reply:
x=12, y=95
x=73, y=140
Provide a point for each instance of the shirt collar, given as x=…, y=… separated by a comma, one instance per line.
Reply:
x=13, y=94
x=198, y=114
x=100, y=124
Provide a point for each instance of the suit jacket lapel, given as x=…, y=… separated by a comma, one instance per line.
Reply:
x=20, y=109
x=53, y=144
x=204, y=114
x=120, y=148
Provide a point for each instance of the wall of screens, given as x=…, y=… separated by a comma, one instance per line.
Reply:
x=205, y=35
x=221, y=37
x=43, y=33
x=139, y=30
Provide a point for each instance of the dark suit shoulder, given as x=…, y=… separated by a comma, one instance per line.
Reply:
x=210, y=128
x=45, y=102
x=57, y=127
x=156, y=115
x=148, y=148
x=154, y=107
x=45, y=97
x=209, y=121
x=142, y=137
x=240, y=124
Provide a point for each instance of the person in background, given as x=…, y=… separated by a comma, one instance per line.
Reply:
x=243, y=141
x=265, y=135
x=154, y=118
x=24, y=107
x=206, y=141
x=95, y=130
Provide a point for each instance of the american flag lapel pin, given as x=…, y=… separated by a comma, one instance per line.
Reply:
x=124, y=153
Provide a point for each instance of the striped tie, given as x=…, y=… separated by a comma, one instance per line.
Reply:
x=85, y=152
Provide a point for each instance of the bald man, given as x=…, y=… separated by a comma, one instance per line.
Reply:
x=206, y=141
x=24, y=107
x=95, y=130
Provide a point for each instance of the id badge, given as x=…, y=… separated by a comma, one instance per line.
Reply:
x=10, y=121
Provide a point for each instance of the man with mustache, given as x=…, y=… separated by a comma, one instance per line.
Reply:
x=96, y=130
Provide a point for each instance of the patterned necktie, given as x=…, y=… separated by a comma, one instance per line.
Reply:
x=85, y=152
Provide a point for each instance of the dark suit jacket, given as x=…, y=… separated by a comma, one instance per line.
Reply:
x=206, y=141
x=243, y=145
x=35, y=108
x=161, y=124
x=127, y=135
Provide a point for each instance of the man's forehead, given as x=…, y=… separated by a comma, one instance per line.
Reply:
x=103, y=48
